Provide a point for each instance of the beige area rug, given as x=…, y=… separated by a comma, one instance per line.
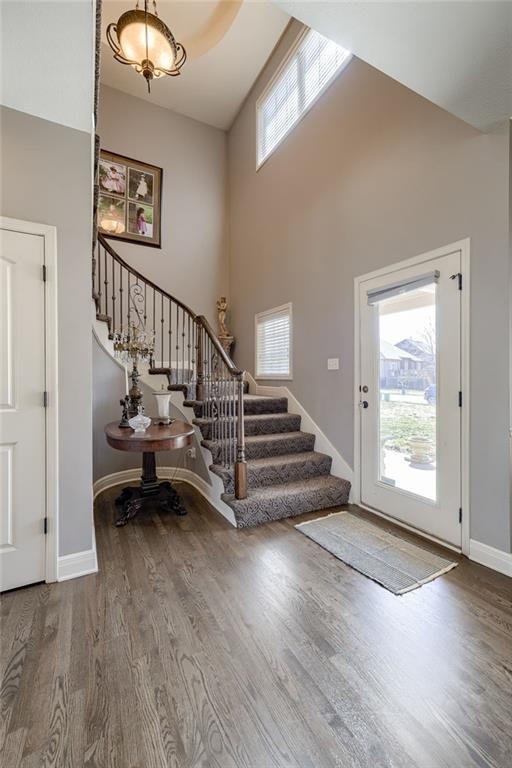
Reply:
x=392, y=562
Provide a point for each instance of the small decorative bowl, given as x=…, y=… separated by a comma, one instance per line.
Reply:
x=140, y=422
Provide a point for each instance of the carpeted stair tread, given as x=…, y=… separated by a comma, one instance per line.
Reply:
x=261, y=446
x=275, y=502
x=276, y=470
x=260, y=424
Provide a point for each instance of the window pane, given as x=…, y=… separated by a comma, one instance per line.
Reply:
x=312, y=66
x=273, y=332
x=408, y=391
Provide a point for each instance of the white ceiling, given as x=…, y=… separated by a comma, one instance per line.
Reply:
x=227, y=45
x=456, y=54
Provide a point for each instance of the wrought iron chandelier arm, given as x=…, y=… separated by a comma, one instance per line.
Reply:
x=111, y=29
x=181, y=57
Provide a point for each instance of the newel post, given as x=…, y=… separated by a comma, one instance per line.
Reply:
x=240, y=464
x=200, y=363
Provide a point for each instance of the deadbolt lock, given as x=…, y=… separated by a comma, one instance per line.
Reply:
x=365, y=389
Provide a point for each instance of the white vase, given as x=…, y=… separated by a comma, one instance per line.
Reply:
x=163, y=401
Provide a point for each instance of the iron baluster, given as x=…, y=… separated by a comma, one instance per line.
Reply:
x=169, y=336
x=162, y=329
x=240, y=465
x=128, y=303
x=114, y=297
x=233, y=424
x=177, y=360
x=99, y=282
x=183, y=347
x=189, y=361
x=121, y=295
x=200, y=363
x=105, y=281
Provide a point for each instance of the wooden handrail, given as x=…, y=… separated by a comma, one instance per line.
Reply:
x=106, y=245
x=199, y=319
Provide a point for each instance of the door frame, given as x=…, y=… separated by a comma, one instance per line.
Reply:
x=49, y=235
x=464, y=247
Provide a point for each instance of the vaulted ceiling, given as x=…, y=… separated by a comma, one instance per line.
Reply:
x=227, y=44
x=456, y=54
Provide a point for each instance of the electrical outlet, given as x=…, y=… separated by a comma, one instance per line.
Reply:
x=333, y=364
x=191, y=453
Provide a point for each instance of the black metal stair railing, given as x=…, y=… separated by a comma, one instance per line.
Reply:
x=186, y=349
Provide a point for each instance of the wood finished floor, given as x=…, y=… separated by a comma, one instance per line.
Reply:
x=200, y=645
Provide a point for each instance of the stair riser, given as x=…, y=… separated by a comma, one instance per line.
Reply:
x=270, y=448
x=286, y=423
x=259, y=477
x=251, y=407
x=249, y=514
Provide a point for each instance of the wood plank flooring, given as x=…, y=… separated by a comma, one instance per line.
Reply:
x=200, y=646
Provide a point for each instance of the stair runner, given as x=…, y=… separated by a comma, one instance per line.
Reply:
x=286, y=476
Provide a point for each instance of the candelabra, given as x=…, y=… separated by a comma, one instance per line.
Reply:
x=131, y=345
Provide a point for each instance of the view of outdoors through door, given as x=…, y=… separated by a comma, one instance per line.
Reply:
x=408, y=391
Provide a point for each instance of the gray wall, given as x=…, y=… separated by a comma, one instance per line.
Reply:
x=53, y=78
x=192, y=264
x=108, y=389
x=46, y=177
x=372, y=175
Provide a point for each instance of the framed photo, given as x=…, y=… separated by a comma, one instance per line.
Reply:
x=130, y=199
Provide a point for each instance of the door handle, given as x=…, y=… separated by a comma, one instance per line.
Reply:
x=363, y=403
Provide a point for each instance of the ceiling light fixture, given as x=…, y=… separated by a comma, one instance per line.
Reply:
x=144, y=42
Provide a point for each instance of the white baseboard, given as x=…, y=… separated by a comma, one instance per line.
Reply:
x=340, y=468
x=78, y=564
x=493, y=558
x=180, y=474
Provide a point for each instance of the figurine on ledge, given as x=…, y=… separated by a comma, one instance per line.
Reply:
x=225, y=338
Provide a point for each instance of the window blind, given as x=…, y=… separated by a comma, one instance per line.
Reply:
x=273, y=343
x=311, y=67
x=396, y=289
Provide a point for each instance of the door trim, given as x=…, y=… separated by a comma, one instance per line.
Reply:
x=49, y=234
x=464, y=247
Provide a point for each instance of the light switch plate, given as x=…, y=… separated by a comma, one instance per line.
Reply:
x=333, y=364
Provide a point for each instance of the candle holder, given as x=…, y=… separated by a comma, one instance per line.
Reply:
x=131, y=345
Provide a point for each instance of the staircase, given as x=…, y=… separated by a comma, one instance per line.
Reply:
x=285, y=475
x=268, y=467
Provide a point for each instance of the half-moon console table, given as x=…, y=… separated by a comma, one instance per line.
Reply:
x=157, y=437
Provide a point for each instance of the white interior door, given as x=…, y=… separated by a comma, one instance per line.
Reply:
x=410, y=399
x=22, y=413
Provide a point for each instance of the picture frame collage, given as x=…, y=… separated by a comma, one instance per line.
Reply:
x=130, y=199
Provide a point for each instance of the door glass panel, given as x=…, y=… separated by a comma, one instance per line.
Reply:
x=408, y=391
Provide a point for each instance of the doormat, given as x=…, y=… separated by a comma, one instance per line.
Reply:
x=392, y=562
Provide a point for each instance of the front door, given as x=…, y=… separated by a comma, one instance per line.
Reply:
x=22, y=415
x=410, y=324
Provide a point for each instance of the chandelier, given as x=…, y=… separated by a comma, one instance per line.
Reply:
x=132, y=344
x=143, y=41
